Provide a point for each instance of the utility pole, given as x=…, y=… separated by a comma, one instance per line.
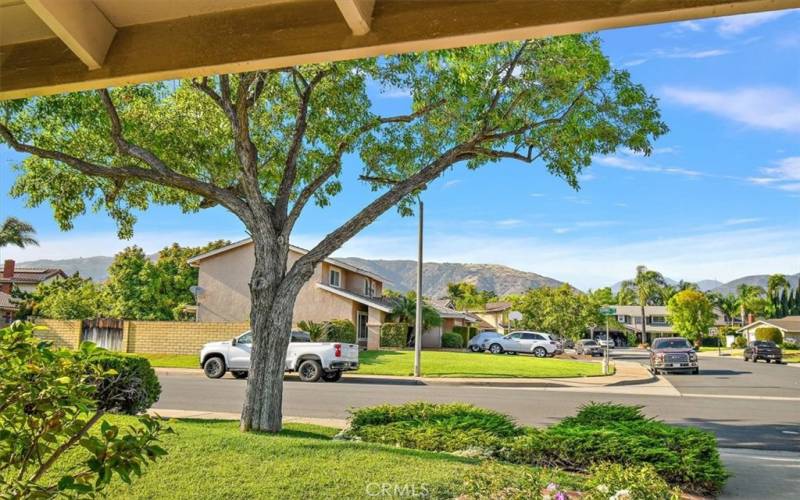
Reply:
x=418, y=322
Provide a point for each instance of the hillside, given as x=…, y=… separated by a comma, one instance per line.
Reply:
x=500, y=279
x=88, y=267
x=757, y=279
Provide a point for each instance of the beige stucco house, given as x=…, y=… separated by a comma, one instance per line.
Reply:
x=494, y=316
x=337, y=290
x=789, y=327
x=656, y=320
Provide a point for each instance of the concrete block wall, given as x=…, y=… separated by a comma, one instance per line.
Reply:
x=62, y=333
x=176, y=337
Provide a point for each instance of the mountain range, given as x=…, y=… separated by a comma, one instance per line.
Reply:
x=401, y=275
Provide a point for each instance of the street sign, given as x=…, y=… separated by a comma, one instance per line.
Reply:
x=608, y=311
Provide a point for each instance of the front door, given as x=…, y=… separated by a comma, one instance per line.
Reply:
x=362, y=329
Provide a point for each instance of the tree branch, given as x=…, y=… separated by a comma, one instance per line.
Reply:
x=290, y=172
x=499, y=92
x=66, y=445
x=224, y=104
x=167, y=178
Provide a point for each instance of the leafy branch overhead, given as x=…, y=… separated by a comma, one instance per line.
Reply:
x=264, y=144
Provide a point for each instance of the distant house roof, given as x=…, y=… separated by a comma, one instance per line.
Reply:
x=497, y=306
x=379, y=303
x=194, y=261
x=787, y=324
x=31, y=276
x=6, y=302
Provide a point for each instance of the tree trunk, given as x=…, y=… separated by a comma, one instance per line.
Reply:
x=644, y=327
x=272, y=298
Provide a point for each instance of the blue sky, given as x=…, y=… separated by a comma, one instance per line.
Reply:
x=718, y=199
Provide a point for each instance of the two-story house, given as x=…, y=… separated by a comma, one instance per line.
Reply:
x=337, y=290
x=656, y=321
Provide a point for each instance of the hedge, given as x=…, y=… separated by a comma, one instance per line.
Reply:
x=340, y=330
x=466, y=332
x=133, y=389
x=452, y=340
x=769, y=333
x=394, y=334
x=710, y=341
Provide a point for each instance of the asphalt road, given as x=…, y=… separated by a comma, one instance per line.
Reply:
x=754, y=410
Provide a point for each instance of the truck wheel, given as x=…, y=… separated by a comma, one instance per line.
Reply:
x=309, y=370
x=239, y=374
x=332, y=376
x=540, y=352
x=214, y=367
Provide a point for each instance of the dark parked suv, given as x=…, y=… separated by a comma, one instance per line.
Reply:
x=673, y=354
x=763, y=349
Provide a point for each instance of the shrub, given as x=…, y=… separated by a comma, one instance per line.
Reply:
x=769, y=333
x=789, y=344
x=610, y=480
x=740, y=342
x=394, y=334
x=602, y=413
x=452, y=340
x=131, y=389
x=49, y=402
x=710, y=342
x=466, y=333
x=315, y=330
x=340, y=330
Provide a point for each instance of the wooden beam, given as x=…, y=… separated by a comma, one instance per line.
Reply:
x=302, y=32
x=357, y=14
x=80, y=25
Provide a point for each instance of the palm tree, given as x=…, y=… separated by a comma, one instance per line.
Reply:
x=18, y=233
x=777, y=282
x=666, y=292
x=728, y=304
x=646, y=287
x=405, y=311
x=749, y=297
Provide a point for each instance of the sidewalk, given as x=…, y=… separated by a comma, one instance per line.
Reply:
x=627, y=373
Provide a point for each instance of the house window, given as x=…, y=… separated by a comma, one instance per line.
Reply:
x=335, y=278
x=369, y=291
x=621, y=318
x=658, y=320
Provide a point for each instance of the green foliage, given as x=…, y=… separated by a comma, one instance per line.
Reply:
x=340, y=330
x=561, y=310
x=769, y=333
x=691, y=314
x=642, y=482
x=132, y=389
x=646, y=288
x=466, y=332
x=752, y=299
x=713, y=341
x=452, y=340
x=681, y=456
x=154, y=290
x=316, y=331
x=69, y=298
x=49, y=402
x=17, y=232
x=728, y=304
x=740, y=342
x=467, y=296
x=405, y=310
x=394, y=334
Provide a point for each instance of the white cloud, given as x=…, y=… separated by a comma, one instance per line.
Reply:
x=396, y=93
x=634, y=165
x=635, y=62
x=772, y=108
x=577, y=200
x=742, y=221
x=562, y=230
x=590, y=262
x=691, y=26
x=510, y=222
x=676, y=53
x=783, y=175
x=736, y=25
x=451, y=183
x=537, y=195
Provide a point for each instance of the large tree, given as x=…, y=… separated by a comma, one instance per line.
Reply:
x=263, y=144
x=647, y=288
x=562, y=310
x=18, y=233
x=691, y=314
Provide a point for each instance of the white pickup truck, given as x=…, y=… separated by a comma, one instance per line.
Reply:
x=311, y=360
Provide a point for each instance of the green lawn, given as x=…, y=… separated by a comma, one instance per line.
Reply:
x=212, y=459
x=173, y=360
x=465, y=364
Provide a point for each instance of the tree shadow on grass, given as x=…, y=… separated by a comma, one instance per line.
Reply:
x=388, y=449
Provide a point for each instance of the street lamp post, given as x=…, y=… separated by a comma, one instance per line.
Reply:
x=418, y=322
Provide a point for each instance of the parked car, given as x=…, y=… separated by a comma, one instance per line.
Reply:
x=311, y=360
x=588, y=347
x=763, y=349
x=475, y=344
x=537, y=343
x=669, y=354
x=602, y=341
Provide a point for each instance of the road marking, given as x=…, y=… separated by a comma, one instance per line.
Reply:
x=736, y=396
x=790, y=432
x=759, y=457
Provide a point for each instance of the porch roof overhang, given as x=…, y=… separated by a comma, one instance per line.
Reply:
x=361, y=299
x=55, y=46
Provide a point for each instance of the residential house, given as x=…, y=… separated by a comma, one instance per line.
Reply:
x=656, y=321
x=337, y=290
x=789, y=327
x=451, y=317
x=494, y=316
x=8, y=309
x=26, y=279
